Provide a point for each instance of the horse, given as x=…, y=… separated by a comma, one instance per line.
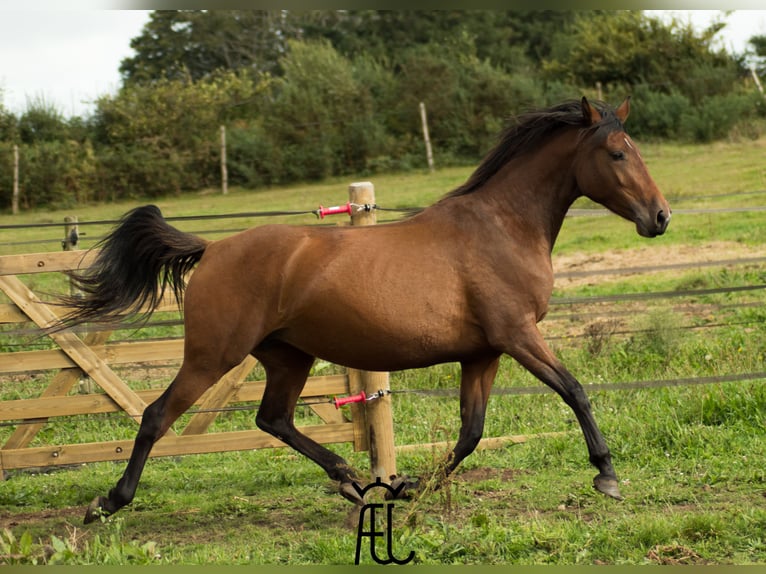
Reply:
x=466, y=279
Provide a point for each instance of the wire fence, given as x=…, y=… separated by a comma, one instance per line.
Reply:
x=574, y=305
x=318, y=213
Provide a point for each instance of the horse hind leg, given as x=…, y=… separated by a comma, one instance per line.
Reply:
x=185, y=389
x=287, y=369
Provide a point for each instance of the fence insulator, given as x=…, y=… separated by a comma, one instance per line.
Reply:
x=324, y=211
x=358, y=398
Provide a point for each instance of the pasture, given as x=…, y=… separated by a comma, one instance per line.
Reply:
x=689, y=456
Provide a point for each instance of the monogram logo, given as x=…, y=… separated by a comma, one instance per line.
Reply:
x=373, y=533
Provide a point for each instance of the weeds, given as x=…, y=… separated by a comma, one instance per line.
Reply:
x=78, y=546
x=17, y=551
x=598, y=334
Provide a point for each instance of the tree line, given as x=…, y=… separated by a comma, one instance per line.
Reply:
x=307, y=95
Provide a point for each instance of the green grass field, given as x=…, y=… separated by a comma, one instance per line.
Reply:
x=689, y=457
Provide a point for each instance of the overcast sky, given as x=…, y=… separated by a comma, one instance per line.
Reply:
x=69, y=58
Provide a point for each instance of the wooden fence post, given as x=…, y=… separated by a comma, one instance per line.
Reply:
x=224, y=169
x=71, y=239
x=379, y=426
x=69, y=243
x=426, y=137
x=71, y=233
x=15, y=200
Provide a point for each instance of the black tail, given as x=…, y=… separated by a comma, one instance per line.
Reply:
x=141, y=256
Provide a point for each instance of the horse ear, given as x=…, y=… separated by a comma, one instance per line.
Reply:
x=590, y=113
x=624, y=110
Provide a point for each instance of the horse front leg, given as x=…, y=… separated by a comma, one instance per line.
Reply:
x=475, y=385
x=476, y=381
x=531, y=351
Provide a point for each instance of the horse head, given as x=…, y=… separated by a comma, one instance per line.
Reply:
x=609, y=170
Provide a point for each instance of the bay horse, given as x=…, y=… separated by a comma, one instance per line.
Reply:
x=465, y=280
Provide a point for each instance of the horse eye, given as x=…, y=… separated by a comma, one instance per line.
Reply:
x=617, y=155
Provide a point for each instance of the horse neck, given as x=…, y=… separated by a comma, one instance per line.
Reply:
x=534, y=191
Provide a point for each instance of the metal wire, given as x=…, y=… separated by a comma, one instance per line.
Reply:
x=454, y=392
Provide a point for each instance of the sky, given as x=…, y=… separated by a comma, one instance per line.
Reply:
x=741, y=25
x=67, y=59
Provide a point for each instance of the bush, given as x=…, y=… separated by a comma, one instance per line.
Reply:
x=656, y=115
x=126, y=171
x=467, y=100
x=42, y=122
x=6, y=174
x=716, y=116
x=252, y=159
x=160, y=139
x=56, y=173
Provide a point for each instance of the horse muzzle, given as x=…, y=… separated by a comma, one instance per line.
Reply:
x=654, y=224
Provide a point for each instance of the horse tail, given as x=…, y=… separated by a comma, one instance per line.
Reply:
x=139, y=259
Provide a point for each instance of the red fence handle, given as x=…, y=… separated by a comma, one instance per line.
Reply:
x=359, y=398
x=323, y=211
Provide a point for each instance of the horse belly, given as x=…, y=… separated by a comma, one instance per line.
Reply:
x=377, y=350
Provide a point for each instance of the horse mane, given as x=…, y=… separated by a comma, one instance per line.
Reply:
x=527, y=131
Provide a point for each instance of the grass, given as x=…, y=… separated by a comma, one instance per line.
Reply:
x=524, y=504
x=689, y=458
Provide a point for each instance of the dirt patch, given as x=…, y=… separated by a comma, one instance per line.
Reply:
x=649, y=256
x=56, y=515
x=481, y=474
x=675, y=555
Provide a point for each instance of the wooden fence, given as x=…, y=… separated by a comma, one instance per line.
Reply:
x=94, y=356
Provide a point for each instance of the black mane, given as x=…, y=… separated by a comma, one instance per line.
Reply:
x=529, y=130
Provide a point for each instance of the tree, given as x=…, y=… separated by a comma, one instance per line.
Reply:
x=623, y=49
x=759, y=47
x=319, y=113
x=467, y=99
x=8, y=126
x=502, y=37
x=196, y=43
x=175, y=43
x=161, y=49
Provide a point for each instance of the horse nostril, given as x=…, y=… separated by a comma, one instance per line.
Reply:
x=661, y=219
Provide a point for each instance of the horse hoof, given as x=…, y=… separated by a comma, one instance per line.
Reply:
x=608, y=486
x=402, y=488
x=95, y=510
x=348, y=492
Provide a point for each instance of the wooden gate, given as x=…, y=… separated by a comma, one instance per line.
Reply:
x=93, y=355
